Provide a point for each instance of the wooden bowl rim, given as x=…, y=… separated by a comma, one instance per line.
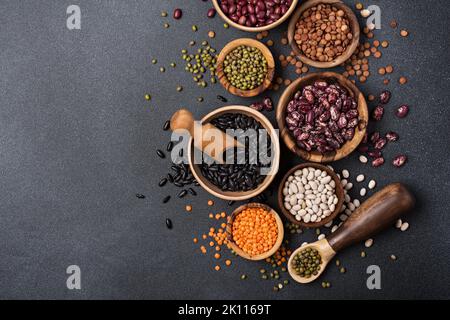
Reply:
x=354, y=24
x=339, y=191
x=349, y=146
x=261, y=256
x=254, y=29
x=241, y=195
x=230, y=46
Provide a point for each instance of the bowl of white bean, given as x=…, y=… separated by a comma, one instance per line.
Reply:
x=310, y=195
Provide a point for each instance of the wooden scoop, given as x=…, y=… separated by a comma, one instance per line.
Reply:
x=184, y=120
x=376, y=214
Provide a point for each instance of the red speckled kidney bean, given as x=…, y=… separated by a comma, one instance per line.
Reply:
x=385, y=96
x=378, y=162
x=380, y=143
x=392, y=136
x=378, y=113
x=255, y=13
x=399, y=161
x=322, y=117
x=402, y=111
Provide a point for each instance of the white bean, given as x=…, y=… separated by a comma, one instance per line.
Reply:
x=321, y=236
x=404, y=226
x=345, y=173
x=363, y=192
x=368, y=243
x=399, y=223
x=349, y=186
x=360, y=178
x=372, y=184
x=363, y=159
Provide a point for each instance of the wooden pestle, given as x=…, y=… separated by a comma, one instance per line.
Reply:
x=184, y=120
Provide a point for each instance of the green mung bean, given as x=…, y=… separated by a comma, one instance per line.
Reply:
x=245, y=67
x=307, y=263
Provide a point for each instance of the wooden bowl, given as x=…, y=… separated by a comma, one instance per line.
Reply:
x=339, y=190
x=238, y=250
x=270, y=67
x=354, y=25
x=254, y=29
x=242, y=195
x=349, y=146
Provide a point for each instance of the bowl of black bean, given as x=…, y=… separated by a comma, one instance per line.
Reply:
x=247, y=170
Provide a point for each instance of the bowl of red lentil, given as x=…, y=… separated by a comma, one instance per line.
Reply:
x=324, y=33
x=255, y=231
x=245, y=17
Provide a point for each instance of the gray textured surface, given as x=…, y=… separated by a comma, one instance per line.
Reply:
x=78, y=141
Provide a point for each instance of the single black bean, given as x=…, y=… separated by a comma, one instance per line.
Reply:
x=166, y=199
x=163, y=182
x=192, y=191
x=169, y=146
x=166, y=125
x=230, y=203
x=170, y=178
x=169, y=224
x=140, y=196
x=160, y=154
x=182, y=194
x=222, y=98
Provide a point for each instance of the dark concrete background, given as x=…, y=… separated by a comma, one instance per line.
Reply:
x=78, y=142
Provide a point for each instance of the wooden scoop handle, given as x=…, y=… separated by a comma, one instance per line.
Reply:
x=184, y=120
x=374, y=215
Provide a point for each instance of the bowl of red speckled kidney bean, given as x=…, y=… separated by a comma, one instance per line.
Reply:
x=255, y=15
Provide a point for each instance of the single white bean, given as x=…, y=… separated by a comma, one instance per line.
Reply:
x=360, y=178
x=399, y=223
x=321, y=236
x=368, y=243
x=363, y=159
x=404, y=226
x=345, y=173
x=372, y=184
x=363, y=192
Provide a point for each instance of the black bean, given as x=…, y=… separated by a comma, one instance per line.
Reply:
x=192, y=191
x=181, y=152
x=230, y=203
x=169, y=146
x=170, y=178
x=140, y=196
x=163, y=182
x=169, y=224
x=182, y=194
x=166, y=125
x=222, y=98
x=166, y=199
x=160, y=154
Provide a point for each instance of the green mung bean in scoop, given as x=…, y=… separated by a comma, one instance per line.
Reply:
x=245, y=67
x=307, y=263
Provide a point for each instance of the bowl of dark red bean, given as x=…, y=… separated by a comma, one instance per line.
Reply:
x=247, y=170
x=322, y=117
x=255, y=15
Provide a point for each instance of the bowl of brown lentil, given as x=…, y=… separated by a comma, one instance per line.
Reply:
x=245, y=67
x=237, y=178
x=255, y=16
x=255, y=231
x=358, y=129
x=324, y=33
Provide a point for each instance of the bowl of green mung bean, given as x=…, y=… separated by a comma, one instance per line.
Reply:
x=245, y=67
